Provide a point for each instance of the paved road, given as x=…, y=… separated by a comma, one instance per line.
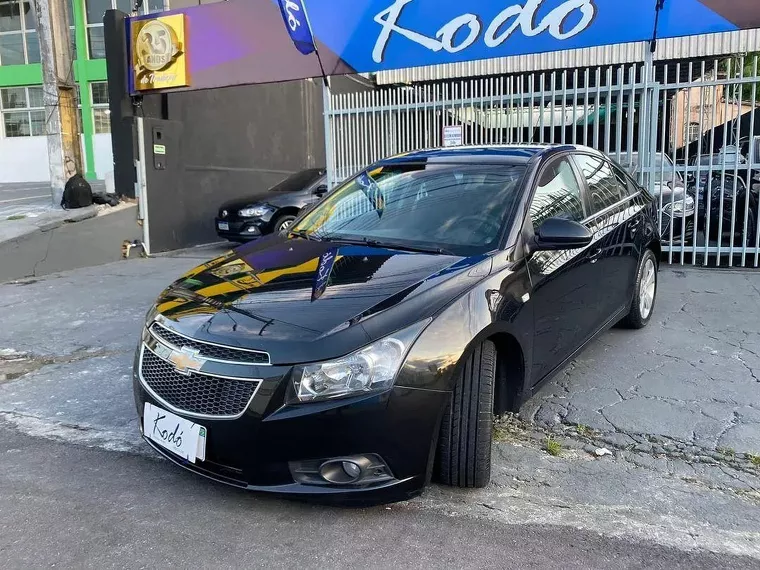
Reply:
x=24, y=198
x=676, y=404
x=70, y=507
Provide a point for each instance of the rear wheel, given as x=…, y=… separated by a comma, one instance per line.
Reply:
x=645, y=292
x=464, y=451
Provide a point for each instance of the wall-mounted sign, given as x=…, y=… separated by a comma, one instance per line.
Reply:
x=158, y=53
x=242, y=42
x=452, y=135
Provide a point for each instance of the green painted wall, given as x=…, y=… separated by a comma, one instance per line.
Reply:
x=86, y=71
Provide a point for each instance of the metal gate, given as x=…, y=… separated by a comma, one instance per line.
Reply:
x=686, y=131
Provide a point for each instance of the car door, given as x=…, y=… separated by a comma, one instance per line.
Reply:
x=614, y=222
x=563, y=282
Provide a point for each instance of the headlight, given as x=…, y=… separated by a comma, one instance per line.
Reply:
x=254, y=211
x=681, y=206
x=371, y=369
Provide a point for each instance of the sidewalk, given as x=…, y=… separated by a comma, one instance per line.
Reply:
x=53, y=239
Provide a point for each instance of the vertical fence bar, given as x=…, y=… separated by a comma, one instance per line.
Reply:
x=586, y=105
x=736, y=140
x=619, y=129
x=687, y=141
x=575, y=107
x=707, y=192
x=663, y=148
x=597, y=107
x=564, y=105
x=553, y=109
x=697, y=161
x=722, y=158
x=542, y=103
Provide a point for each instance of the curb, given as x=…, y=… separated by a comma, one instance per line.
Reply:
x=78, y=215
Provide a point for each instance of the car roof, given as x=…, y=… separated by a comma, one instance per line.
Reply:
x=485, y=154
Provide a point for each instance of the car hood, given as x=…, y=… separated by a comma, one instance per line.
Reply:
x=668, y=194
x=304, y=300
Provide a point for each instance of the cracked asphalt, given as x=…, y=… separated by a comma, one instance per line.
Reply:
x=676, y=405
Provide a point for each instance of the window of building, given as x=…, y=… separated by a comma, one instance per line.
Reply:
x=18, y=38
x=101, y=114
x=692, y=132
x=96, y=9
x=603, y=185
x=22, y=111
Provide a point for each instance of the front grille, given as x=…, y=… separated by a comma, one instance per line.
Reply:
x=206, y=350
x=197, y=393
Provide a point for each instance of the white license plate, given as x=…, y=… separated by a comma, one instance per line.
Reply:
x=224, y=226
x=178, y=435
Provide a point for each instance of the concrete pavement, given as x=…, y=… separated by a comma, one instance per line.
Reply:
x=38, y=238
x=676, y=405
x=65, y=506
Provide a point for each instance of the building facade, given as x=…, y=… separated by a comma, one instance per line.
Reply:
x=23, y=146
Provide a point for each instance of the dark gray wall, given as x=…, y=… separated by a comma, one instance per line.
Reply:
x=229, y=143
x=220, y=143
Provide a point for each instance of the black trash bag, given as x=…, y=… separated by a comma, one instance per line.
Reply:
x=103, y=198
x=77, y=193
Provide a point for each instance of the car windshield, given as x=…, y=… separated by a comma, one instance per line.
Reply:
x=448, y=207
x=662, y=168
x=298, y=181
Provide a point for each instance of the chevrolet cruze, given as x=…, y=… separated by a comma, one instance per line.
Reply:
x=366, y=348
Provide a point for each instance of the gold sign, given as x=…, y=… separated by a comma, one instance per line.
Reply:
x=159, y=57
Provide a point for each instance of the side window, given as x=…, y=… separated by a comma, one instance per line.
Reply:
x=625, y=181
x=603, y=186
x=558, y=194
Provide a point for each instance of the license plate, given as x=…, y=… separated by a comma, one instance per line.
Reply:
x=224, y=226
x=178, y=435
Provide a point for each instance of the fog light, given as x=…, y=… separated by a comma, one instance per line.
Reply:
x=354, y=470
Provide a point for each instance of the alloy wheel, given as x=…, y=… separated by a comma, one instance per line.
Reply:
x=647, y=289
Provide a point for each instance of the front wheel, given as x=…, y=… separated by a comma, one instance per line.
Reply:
x=645, y=292
x=284, y=222
x=464, y=450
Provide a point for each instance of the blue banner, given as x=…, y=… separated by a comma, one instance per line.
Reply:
x=297, y=23
x=242, y=42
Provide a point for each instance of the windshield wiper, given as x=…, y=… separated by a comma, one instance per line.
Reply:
x=307, y=235
x=401, y=247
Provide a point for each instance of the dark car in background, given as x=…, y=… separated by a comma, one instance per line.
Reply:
x=723, y=196
x=249, y=218
x=676, y=205
x=367, y=348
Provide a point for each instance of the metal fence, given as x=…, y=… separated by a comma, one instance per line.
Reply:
x=686, y=130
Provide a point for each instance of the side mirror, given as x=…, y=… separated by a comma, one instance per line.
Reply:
x=321, y=190
x=558, y=234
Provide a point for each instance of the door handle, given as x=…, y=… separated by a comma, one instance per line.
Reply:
x=596, y=255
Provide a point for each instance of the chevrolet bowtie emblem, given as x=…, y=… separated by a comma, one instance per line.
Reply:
x=186, y=360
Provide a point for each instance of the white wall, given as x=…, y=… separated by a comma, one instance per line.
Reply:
x=103, y=152
x=24, y=159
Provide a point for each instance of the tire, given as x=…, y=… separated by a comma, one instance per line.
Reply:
x=639, y=315
x=283, y=222
x=464, y=446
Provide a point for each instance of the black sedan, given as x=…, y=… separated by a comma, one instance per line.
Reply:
x=246, y=219
x=368, y=348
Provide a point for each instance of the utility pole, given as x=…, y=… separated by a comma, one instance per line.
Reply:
x=61, y=114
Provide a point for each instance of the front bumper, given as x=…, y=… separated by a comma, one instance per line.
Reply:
x=255, y=450
x=242, y=229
